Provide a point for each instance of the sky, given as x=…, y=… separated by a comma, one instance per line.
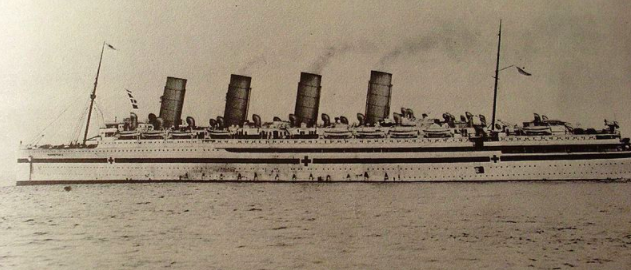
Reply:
x=441, y=53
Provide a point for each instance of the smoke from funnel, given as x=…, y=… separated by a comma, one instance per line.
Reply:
x=252, y=64
x=324, y=59
x=451, y=39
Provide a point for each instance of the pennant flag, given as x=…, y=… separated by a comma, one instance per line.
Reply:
x=134, y=103
x=111, y=47
x=523, y=72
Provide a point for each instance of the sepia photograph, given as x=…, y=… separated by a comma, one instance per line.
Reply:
x=269, y=134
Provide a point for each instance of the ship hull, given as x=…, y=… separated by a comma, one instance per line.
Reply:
x=262, y=161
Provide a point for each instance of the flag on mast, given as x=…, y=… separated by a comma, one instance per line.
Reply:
x=110, y=46
x=523, y=72
x=134, y=103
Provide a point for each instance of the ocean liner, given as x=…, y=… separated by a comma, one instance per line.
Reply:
x=313, y=147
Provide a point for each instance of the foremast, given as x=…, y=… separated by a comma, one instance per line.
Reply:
x=497, y=72
x=93, y=95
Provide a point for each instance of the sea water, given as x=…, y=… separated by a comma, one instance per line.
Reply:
x=532, y=225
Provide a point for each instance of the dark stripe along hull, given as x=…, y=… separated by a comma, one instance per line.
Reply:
x=507, y=158
x=192, y=161
x=90, y=182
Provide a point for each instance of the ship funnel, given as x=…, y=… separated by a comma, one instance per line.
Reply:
x=378, y=98
x=308, y=99
x=172, y=102
x=237, y=100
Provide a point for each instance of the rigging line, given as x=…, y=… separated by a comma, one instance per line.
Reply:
x=74, y=128
x=98, y=109
x=77, y=128
x=78, y=125
x=56, y=118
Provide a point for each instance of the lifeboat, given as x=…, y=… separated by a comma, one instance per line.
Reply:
x=537, y=130
x=370, y=133
x=128, y=135
x=220, y=134
x=404, y=132
x=338, y=133
x=436, y=131
x=153, y=134
x=183, y=135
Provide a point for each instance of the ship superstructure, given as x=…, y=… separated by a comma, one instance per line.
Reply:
x=380, y=145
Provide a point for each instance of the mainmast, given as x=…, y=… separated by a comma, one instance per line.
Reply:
x=497, y=72
x=93, y=96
